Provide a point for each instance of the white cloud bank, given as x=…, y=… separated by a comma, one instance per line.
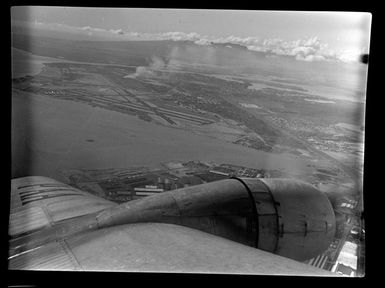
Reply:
x=311, y=49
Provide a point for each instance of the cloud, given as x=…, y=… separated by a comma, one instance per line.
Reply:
x=310, y=58
x=352, y=55
x=310, y=49
x=141, y=71
x=247, y=41
x=87, y=28
x=303, y=50
x=156, y=63
x=92, y=29
x=180, y=36
x=117, y=31
x=202, y=42
x=257, y=48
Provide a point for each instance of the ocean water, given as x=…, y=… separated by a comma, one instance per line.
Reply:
x=51, y=135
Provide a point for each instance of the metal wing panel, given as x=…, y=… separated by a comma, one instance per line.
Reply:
x=155, y=247
x=148, y=247
x=29, y=219
x=54, y=256
x=39, y=202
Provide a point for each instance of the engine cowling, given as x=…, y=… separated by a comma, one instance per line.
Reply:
x=283, y=216
x=295, y=219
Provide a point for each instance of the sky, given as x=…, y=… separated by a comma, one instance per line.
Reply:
x=309, y=36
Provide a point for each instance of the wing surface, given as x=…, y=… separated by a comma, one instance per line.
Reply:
x=156, y=247
x=40, y=202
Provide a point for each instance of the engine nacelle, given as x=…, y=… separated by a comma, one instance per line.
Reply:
x=283, y=216
x=295, y=219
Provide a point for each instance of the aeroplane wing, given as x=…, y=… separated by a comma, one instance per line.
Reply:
x=42, y=208
x=157, y=247
x=40, y=202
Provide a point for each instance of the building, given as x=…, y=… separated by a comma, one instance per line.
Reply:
x=148, y=190
x=344, y=270
x=347, y=258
